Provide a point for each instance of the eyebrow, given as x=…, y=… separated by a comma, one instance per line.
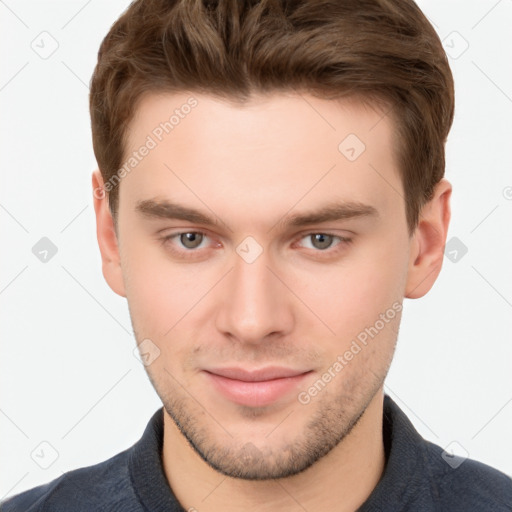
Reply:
x=163, y=209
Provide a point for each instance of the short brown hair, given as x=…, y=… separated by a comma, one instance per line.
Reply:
x=382, y=51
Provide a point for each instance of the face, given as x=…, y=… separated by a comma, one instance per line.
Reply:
x=264, y=254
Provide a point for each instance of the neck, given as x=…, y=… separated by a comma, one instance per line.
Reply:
x=342, y=480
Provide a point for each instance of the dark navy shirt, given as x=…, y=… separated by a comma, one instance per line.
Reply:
x=417, y=478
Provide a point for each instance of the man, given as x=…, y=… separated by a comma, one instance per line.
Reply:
x=270, y=189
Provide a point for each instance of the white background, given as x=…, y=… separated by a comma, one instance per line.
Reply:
x=68, y=375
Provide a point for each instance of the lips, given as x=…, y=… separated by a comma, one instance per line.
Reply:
x=263, y=374
x=255, y=388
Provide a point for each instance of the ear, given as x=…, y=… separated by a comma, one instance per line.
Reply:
x=107, y=238
x=428, y=241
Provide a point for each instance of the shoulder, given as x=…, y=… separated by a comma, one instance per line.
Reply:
x=466, y=484
x=96, y=487
x=420, y=475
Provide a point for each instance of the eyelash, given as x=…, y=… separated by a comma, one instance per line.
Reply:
x=343, y=241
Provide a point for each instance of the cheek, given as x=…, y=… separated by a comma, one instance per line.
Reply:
x=159, y=292
x=365, y=287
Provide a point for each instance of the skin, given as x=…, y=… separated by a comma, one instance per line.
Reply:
x=297, y=305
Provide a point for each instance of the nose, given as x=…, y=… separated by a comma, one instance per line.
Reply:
x=254, y=303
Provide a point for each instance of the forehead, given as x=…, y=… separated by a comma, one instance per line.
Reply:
x=280, y=148
x=284, y=117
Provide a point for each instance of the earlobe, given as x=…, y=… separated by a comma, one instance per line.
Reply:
x=428, y=241
x=107, y=238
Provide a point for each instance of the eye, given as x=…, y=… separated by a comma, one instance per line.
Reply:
x=187, y=240
x=190, y=242
x=324, y=241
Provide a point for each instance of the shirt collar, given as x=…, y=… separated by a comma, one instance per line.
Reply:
x=404, y=471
